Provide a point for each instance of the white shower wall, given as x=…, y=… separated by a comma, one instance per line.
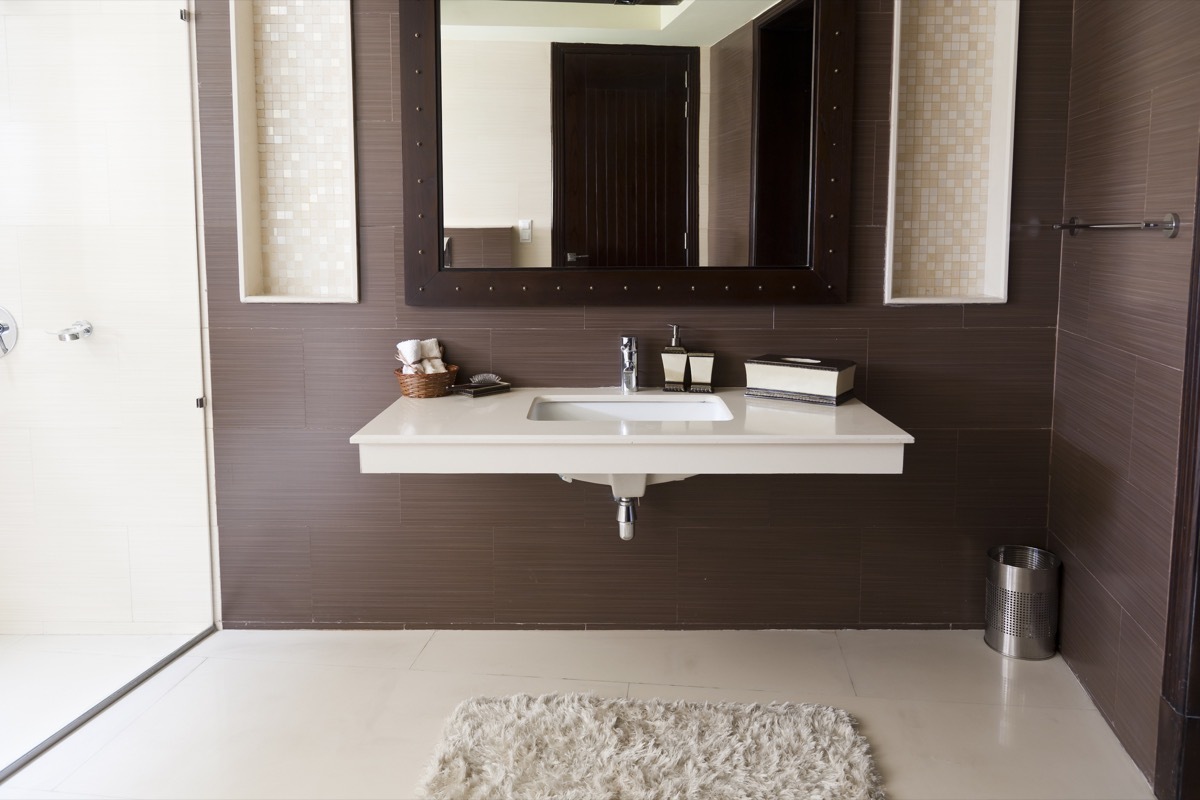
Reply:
x=103, y=478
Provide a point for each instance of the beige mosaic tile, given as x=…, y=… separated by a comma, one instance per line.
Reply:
x=302, y=68
x=942, y=149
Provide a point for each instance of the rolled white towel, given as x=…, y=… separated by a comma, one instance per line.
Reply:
x=430, y=349
x=432, y=365
x=409, y=351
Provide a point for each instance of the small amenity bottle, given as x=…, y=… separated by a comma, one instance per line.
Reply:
x=675, y=364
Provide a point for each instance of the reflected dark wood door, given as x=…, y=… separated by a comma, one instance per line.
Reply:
x=625, y=156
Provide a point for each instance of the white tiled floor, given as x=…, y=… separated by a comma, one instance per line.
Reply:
x=46, y=681
x=355, y=714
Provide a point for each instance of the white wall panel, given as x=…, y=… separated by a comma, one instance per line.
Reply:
x=103, y=477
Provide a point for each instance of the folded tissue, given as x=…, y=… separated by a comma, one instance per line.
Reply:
x=420, y=356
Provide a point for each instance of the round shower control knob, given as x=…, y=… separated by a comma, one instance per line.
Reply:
x=8, y=332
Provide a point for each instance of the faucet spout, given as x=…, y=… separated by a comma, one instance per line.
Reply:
x=629, y=376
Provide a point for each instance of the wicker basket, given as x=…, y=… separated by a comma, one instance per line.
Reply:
x=435, y=385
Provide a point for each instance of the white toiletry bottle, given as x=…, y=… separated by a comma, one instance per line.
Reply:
x=675, y=364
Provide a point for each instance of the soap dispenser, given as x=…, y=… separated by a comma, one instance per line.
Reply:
x=675, y=364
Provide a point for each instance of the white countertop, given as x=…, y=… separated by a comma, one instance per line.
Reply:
x=494, y=435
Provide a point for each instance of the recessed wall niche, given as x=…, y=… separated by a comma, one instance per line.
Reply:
x=953, y=90
x=293, y=118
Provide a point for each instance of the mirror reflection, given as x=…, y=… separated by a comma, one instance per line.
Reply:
x=588, y=135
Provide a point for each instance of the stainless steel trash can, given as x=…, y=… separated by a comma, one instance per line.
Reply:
x=1021, y=606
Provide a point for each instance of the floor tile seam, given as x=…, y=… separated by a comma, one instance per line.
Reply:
x=834, y=694
x=977, y=703
x=69, y=774
x=845, y=662
x=305, y=663
x=519, y=675
x=428, y=641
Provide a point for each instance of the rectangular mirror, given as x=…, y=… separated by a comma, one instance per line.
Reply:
x=954, y=74
x=682, y=167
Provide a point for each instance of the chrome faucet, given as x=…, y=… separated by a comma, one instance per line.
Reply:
x=629, y=376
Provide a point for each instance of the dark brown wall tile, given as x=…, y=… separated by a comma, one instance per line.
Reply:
x=999, y=484
x=1089, y=630
x=881, y=187
x=1039, y=161
x=216, y=157
x=1139, y=686
x=1075, y=283
x=379, y=199
x=293, y=471
x=1093, y=404
x=1120, y=50
x=372, y=63
x=1044, y=59
x=1137, y=297
x=380, y=572
x=1153, y=453
x=213, y=45
x=971, y=378
x=793, y=576
x=873, y=65
x=266, y=572
x=1174, y=139
x=1118, y=533
x=647, y=320
x=584, y=573
x=502, y=499
x=259, y=380
x=862, y=211
x=705, y=501
x=930, y=576
x=1106, y=161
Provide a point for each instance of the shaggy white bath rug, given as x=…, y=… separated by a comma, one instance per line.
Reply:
x=582, y=747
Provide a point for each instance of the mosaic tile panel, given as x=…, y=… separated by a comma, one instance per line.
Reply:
x=942, y=149
x=303, y=69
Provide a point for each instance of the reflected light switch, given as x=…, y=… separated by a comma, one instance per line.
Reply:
x=525, y=228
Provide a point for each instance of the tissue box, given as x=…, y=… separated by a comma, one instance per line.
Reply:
x=825, y=381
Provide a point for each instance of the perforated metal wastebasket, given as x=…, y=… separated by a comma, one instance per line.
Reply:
x=1021, y=606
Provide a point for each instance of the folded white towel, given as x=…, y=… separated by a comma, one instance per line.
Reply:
x=430, y=349
x=409, y=351
x=409, y=369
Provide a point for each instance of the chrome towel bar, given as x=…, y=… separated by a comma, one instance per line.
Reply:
x=1169, y=226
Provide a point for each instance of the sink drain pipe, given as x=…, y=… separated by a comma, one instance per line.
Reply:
x=626, y=516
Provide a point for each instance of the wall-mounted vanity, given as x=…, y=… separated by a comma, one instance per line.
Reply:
x=628, y=442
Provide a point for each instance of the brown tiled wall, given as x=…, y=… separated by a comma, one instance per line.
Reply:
x=1134, y=135
x=308, y=541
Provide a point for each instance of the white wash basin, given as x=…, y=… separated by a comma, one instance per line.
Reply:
x=629, y=408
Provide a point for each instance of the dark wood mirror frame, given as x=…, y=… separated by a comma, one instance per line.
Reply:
x=822, y=281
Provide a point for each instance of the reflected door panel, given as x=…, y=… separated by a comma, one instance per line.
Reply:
x=625, y=162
